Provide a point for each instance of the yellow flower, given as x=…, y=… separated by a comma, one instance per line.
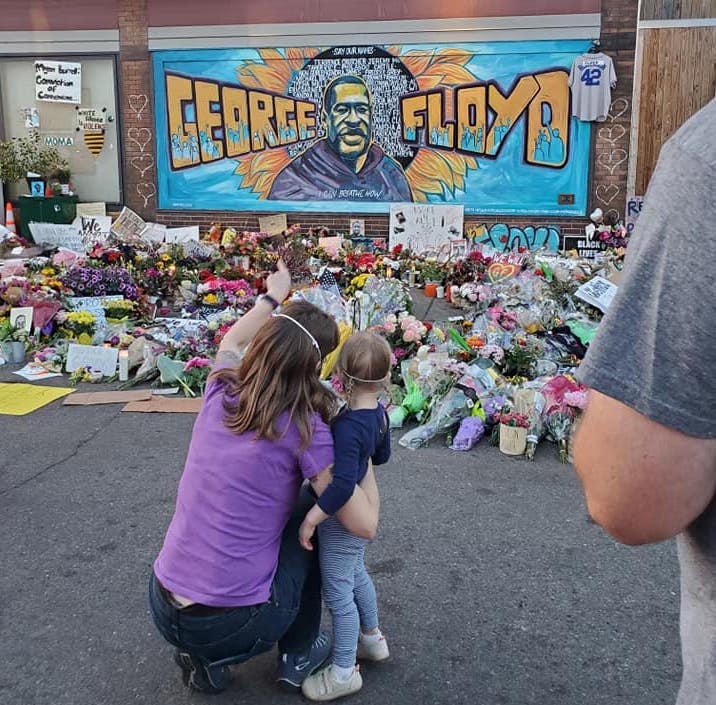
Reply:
x=166, y=258
x=48, y=271
x=211, y=299
x=160, y=265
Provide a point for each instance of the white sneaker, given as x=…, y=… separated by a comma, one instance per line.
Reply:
x=372, y=649
x=324, y=685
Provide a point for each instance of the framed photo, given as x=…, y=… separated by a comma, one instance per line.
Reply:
x=21, y=317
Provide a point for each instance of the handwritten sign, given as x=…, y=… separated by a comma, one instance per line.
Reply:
x=633, y=211
x=91, y=119
x=598, y=292
x=92, y=228
x=273, y=224
x=154, y=232
x=94, y=356
x=54, y=235
x=421, y=227
x=92, y=209
x=58, y=81
x=179, y=235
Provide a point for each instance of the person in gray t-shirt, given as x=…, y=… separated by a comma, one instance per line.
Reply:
x=646, y=448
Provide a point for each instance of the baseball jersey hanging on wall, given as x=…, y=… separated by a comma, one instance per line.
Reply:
x=591, y=79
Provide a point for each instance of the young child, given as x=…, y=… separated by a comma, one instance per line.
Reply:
x=360, y=434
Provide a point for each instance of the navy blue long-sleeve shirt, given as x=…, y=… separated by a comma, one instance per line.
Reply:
x=359, y=435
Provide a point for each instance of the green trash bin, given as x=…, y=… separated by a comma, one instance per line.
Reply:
x=42, y=209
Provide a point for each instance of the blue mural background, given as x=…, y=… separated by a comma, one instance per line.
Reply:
x=505, y=185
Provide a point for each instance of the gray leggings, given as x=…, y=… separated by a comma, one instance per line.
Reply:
x=348, y=590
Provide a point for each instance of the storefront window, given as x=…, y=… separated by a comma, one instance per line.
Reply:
x=93, y=157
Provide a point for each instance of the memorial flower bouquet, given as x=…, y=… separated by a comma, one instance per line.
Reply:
x=119, y=311
x=194, y=375
x=79, y=325
x=94, y=281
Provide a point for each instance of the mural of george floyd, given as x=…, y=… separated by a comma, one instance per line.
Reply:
x=354, y=128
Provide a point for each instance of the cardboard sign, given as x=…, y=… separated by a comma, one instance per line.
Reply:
x=331, y=244
x=598, y=292
x=91, y=119
x=93, y=227
x=94, y=356
x=179, y=235
x=273, y=224
x=54, y=235
x=58, y=81
x=167, y=406
x=91, y=209
x=154, y=232
x=420, y=227
x=92, y=398
x=633, y=211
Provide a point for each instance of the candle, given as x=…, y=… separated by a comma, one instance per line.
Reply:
x=123, y=365
x=389, y=272
x=411, y=277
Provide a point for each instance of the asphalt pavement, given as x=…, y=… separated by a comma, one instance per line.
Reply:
x=493, y=586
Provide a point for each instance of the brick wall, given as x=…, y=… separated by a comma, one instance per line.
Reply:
x=610, y=140
x=610, y=152
x=136, y=109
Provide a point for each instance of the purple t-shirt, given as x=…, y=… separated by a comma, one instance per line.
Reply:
x=234, y=499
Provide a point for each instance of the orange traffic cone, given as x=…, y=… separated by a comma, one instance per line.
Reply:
x=10, y=218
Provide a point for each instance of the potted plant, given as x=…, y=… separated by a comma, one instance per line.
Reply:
x=62, y=175
x=22, y=155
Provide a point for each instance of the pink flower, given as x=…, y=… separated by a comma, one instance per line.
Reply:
x=389, y=327
x=577, y=399
x=197, y=362
x=64, y=258
x=12, y=269
x=411, y=334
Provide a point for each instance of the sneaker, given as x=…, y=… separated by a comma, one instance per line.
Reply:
x=204, y=679
x=324, y=685
x=294, y=669
x=372, y=649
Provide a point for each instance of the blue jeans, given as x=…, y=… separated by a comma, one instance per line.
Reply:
x=220, y=636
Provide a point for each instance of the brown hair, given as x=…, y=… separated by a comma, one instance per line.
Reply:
x=280, y=372
x=365, y=360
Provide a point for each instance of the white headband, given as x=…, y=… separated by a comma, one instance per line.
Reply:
x=365, y=381
x=304, y=329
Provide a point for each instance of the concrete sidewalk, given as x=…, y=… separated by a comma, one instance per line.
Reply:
x=493, y=586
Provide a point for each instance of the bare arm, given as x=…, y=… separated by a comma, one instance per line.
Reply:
x=360, y=513
x=240, y=334
x=644, y=482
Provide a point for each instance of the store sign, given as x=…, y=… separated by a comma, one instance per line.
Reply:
x=58, y=141
x=58, y=81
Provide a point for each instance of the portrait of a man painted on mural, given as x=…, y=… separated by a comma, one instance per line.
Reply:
x=346, y=164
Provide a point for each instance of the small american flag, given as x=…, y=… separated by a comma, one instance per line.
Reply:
x=328, y=281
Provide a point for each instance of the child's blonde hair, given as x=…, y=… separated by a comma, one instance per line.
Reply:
x=364, y=361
